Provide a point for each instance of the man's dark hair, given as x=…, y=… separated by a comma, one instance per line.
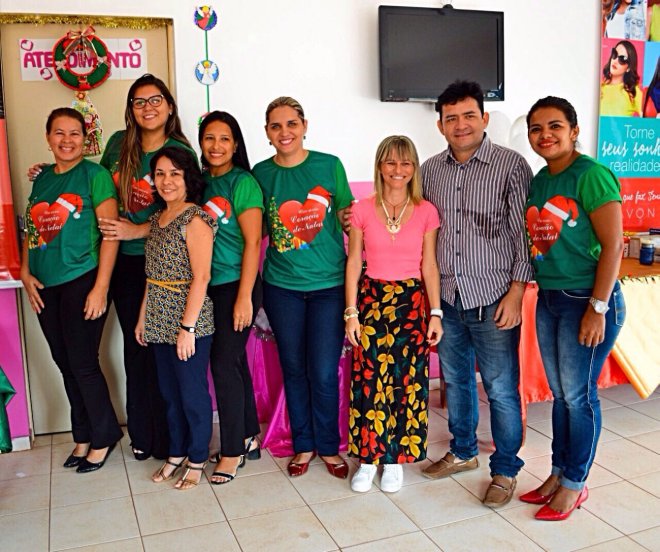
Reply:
x=460, y=90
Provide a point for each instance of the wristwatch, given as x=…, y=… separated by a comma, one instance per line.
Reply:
x=189, y=329
x=599, y=306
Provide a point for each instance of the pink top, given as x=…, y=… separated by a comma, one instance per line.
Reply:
x=397, y=259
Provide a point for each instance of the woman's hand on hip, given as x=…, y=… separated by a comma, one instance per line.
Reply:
x=96, y=303
x=592, y=328
x=242, y=314
x=353, y=331
x=185, y=345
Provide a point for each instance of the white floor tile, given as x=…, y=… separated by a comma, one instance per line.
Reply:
x=650, y=440
x=25, y=494
x=627, y=422
x=402, y=543
x=26, y=531
x=650, y=539
x=205, y=538
x=627, y=459
x=622, y=394
x=625, y=507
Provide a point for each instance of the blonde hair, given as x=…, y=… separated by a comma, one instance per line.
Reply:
x=285, y=101
x=406, y=150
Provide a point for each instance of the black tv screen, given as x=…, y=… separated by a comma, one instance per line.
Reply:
x=423, y=50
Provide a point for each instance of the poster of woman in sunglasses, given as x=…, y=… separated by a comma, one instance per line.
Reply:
x=620, y=93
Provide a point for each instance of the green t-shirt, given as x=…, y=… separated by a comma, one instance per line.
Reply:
x=63, y=235
x=225, y=198
x=306, y=250
x=141, y=202
x=565, y=249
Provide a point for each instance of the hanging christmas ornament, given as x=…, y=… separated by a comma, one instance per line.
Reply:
x=207, y=72
x=205, y=17
x=82, y=63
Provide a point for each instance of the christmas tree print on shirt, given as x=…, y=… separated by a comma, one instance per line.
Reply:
x=545, y=226
x=294, y=225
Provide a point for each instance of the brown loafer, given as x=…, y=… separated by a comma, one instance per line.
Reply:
x=449, y=465
x=500, y=491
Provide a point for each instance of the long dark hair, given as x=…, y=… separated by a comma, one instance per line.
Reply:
x=630, y=77
x=130, y=155
x=240, y=156
x=183, y=160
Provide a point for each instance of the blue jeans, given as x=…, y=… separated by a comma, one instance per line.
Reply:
x=309, y=330
x=186, y=392
x=470, y=333
x=572, y=370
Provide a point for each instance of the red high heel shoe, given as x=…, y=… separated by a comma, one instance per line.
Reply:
x=534, y=497
x=548, y=514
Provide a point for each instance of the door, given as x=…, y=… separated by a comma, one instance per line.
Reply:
x=27, y=105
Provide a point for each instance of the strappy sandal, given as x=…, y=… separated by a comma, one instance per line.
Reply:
x=253, y=448
x=190, y=483
x=227, y=476
x=161, y=472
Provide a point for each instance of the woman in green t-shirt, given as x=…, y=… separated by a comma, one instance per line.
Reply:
x=574, y=223
x=152, y=122
x=305, y=193
x=233, y=198
x=66, y=272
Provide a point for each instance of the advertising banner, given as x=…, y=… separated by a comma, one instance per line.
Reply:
x=629, y=127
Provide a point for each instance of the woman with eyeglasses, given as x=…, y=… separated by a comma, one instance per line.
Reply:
x=234, y=199
x=574, y=222
x=620, y=95
x=152, y=122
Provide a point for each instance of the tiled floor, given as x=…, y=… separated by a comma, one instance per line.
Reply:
x=45, y=507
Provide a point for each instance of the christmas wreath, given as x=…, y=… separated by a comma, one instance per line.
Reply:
x=81, y=60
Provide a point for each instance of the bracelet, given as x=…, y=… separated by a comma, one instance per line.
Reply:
x=189, y=329
x=353, y=309
x=437, y=312
x=347, y=317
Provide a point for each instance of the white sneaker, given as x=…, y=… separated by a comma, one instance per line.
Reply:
x=363, y=478
x=392, y=478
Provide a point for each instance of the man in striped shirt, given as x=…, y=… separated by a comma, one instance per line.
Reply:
x=480, y=191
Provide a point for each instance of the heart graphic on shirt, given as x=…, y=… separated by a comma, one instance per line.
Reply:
x=545, y=226
x=142, y=193
x=49, y=219
x=305, y=220
x=219, y=208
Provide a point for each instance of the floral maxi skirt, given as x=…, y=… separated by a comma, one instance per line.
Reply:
x=388, y=420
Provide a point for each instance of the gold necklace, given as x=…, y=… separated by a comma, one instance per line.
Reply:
x=393, y=225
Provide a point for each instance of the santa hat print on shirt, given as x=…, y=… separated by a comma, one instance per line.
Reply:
x=219, y=208
x=564, y=208
x=72, y=203
x=545, y=225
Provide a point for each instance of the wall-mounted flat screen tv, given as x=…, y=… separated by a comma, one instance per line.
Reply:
x=423, y=50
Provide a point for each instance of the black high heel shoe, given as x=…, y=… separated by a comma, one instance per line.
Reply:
x=253, y=453
x=86, y=466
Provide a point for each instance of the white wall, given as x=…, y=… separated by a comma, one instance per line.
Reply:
x=325, y=54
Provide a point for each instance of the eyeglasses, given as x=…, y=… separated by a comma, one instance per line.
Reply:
x=623, y=60
x=155, y=101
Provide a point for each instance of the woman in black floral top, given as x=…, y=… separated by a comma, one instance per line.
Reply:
x=177, y=315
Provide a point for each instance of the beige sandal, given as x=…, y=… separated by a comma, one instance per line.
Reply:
x=160, y=477
x=184, y=483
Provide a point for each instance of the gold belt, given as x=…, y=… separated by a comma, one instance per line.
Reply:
x=171, y=286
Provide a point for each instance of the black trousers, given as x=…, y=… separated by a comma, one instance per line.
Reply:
x=145, y=407
x=74, y=345
x=237, y=409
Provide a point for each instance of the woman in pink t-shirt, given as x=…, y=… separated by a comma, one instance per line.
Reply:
x=387, y=320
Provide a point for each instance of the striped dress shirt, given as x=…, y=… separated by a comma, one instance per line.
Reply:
x=482, y=244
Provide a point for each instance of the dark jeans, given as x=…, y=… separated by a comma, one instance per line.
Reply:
x=74, y=345
x=470, y=333
x=145, y=408
x=309, y=331
x=237, y=409
x=573, y=370
x=186, y=392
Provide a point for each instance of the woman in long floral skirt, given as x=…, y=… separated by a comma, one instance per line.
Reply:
x=387, y=321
